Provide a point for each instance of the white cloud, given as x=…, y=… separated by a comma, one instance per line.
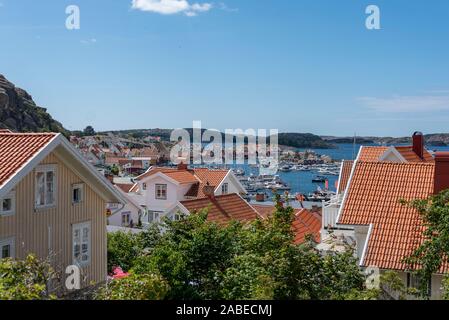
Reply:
x=168, y=7
x=224, y=7
x=89, y=41
x=423, y=103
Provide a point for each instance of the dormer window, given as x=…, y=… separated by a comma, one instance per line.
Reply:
x=45, y=186
x=8, y=205
x=224, y=188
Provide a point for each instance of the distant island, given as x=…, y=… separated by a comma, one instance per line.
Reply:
x=19, y=113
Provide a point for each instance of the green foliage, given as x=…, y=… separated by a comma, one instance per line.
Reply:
x=134, y=287
x=393, y=284
x=428, y=258
x=125, y=247
x=89, y=131
x=202, y=260
x=25, y=280
x=115, y=170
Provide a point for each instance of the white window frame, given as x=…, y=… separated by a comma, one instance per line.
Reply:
x=223, y=187
x=11, y=243
x=152, y=214
x=144, y=186
x=12, y=197
x=45, y=169
x=82, y=226
x=157, y=190
x=79, y=186
x=126, y=214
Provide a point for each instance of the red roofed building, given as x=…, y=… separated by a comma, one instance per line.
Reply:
x=221, y=209
x=305, y=223
x=53, y=204
x=160, y=189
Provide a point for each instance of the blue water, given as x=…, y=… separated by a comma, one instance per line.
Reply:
x=301, y=181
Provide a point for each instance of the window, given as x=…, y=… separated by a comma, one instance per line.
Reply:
x=161, y=191
x=144, y=186
x=81, y=243
x=8, y=204
x=77, y=193
x=176, y=216
x=224, y=188
x=7, y=248
x=154, y=216
x=45, y=186
x=126, y=216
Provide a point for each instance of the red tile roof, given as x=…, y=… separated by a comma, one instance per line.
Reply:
x=206, y=176
x=264, y=210
x=344, y=175
x=223, y=209
x=181, y=176
x=18, y=148
x=371, y=153
x=375, y=153
x=306, y=223
x=124, y=187
x=372, y=198
x=410, y=156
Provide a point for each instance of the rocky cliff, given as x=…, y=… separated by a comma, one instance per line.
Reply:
x=19, y=113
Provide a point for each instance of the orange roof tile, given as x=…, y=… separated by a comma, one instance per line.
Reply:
x=371, y=153
x=409, y=155
x=264, y=210
x=124, y=187
x=17, y=148
x=306, y=223
x=223, y=209
x=206, y=176
x=181, y=176
x=372, y=198
x=344, y=175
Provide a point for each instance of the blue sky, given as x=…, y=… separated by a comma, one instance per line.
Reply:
x=300, y=66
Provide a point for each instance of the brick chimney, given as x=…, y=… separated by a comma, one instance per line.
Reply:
x=441, y=178
x=182, y=166
x=418, y=144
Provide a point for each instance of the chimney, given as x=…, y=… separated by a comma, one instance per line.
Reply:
x=441, y=177
x=182, y=166
x=418, y=144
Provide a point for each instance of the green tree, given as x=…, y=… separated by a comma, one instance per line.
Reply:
x=25, y=279
x=89, y=131
x=433, y=252
x=191, y=256
x=134, y=287
x=125, y=247
x=203, y=260
x=115, y=170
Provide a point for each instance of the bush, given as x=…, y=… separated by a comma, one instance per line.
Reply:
x=134, y=287
x=25, y=280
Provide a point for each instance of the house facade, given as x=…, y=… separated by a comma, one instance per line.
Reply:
x=160, y=189
x=370, y=215
x=53, y=205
